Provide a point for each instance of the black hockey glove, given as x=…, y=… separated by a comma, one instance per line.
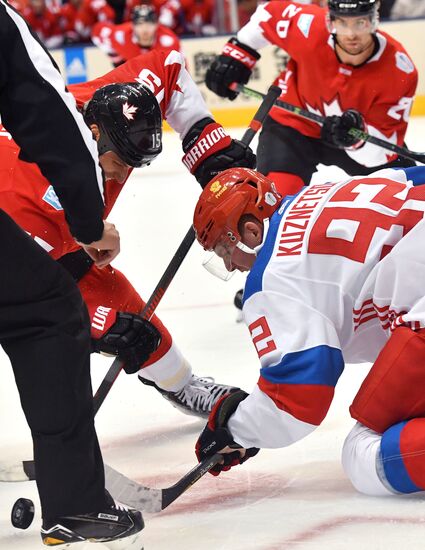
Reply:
x=209, y=150
x=132, y=338
x=216, y=435
x=335, y=129
x=234, y=64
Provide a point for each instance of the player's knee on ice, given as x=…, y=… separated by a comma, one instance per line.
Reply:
x=361, y=461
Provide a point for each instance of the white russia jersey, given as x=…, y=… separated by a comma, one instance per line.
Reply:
x=341, y=266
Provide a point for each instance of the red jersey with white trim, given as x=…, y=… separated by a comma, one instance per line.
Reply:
x=120, y=42
x=382, y=89
x=340, y=268
x=29, y=198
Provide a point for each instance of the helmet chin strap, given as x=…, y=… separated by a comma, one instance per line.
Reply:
x=245, y=248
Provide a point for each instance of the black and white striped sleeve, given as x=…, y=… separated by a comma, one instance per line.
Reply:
x=42, y=117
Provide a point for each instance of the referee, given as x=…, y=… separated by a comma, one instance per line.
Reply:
x=44, y=326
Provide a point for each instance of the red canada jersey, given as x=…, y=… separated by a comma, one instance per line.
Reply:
x=68, y=14
x=195, y=14
x=92, y=11
x=120, y=43
x=46, y=25
x=382, y=88
x=27, y=196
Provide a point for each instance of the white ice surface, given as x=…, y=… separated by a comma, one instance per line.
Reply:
x=290, y=498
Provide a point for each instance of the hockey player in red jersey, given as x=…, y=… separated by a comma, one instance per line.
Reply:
x=335, y=275
x=44, y=22
x=341, y=67
x=68, y=14
x=130, y=39
x=126, y=120
x=109, y=11
x=188, y=16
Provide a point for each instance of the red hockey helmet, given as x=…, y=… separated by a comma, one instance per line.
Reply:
x=226, y=198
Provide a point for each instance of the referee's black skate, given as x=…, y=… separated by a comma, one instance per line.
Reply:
x=109, y=525
x=197, y=397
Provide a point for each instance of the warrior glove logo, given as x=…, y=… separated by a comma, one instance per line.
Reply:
x=212, y=139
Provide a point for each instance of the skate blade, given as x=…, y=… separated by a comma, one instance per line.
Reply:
x=133, y=543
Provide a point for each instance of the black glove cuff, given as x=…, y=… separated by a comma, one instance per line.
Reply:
x=194, y=132
x=228, y=407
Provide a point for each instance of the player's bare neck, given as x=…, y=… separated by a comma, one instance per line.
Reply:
x=357, y=59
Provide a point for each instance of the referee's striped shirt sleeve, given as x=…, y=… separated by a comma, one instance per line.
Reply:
x=42, y=117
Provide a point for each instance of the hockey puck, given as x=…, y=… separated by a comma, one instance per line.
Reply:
x=22, y=513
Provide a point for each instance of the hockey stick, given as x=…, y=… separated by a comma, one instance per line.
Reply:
x=124, y=489
x=147, y=313
x=355, y=132
x=133, y=494
x=24, y=470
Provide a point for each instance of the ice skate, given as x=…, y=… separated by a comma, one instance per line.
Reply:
x=197, y=397
x=110, y=525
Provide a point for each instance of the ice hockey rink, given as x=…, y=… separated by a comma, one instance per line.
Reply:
x=293, y=498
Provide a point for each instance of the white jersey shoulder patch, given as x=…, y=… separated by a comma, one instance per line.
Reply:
x=51, y=198
x=120, y=37
x=404, y=63
x=166, y=41
x=304, y=23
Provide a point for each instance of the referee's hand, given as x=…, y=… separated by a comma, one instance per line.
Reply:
x=102, y=252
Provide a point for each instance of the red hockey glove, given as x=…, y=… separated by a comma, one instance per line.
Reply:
x=216, y=436
x=126, y=335
x=235, y=64
x=335, y=130
x=209, y=150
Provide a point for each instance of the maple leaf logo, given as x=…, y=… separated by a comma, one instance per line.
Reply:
x=129, y=111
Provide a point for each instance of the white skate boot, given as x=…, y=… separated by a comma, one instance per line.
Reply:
x=197, y=397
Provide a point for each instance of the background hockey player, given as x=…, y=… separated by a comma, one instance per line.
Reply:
x=111, y=11
x=335, y=275
x=126, y=119
x=340, y=67
x=44, y=21
x=138, y=36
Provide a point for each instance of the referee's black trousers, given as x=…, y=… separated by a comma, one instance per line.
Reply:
x=44, y=329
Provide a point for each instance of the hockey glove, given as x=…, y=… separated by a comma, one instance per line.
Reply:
x=235, y=64
x=335, y=130
x=209, y=150
x=216, y=436
x=129, y=336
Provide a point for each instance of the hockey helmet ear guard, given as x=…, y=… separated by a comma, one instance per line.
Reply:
x=130, y=122
x=366, y=11
x=225, y=199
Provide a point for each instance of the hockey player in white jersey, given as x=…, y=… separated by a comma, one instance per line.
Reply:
x=336, y=274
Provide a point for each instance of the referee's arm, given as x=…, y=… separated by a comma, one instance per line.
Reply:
x=43, y=120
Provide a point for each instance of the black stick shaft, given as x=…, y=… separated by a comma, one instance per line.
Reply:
x=359, y=134
x=170, y=494
x=147, y=313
